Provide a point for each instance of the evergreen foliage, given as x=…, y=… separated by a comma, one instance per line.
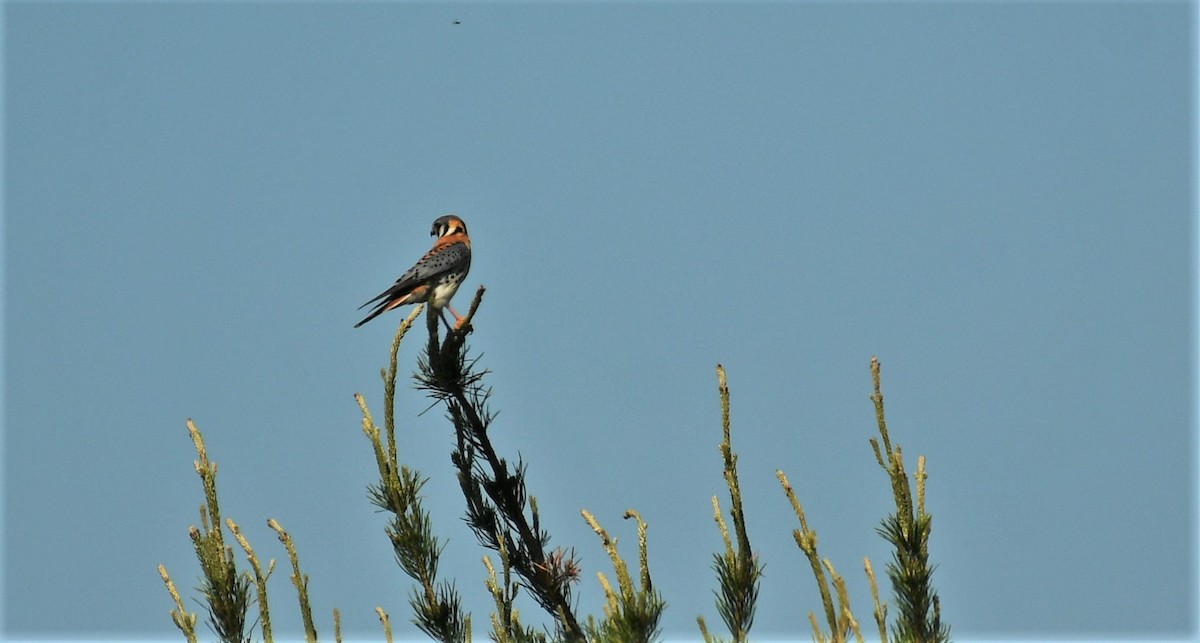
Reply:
x=503, y=515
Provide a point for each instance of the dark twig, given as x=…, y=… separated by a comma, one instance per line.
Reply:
x=499, y=510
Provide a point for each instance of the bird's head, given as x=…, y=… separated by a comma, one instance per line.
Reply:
x=446, y=225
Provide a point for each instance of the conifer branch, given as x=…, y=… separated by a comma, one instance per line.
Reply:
x=880, y=607
x=506, y=619
x=437, y=607
x=908, y=530
x=260, y=579
x=704, y=633
x=806, y=540
x=299, y=580
x=846, y=623
x=643, y=557
x=184, y=620
x=386, y=622
x=738, y=570
x=631, y=612
x=499, y=510
x=226, y=592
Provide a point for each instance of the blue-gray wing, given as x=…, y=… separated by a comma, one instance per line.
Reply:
x=455, y=257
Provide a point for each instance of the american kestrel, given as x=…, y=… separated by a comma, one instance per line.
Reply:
x=434, y=278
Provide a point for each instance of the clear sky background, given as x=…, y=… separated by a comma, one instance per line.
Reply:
x=994, y=198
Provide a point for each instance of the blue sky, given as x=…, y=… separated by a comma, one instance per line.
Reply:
x=995, y=199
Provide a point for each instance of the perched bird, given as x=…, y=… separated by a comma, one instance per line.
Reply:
x=434, y=278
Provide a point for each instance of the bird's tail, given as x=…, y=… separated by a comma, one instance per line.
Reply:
x=388, y=300
x=379, y=310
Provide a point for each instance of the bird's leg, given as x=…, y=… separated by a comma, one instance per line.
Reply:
x=442, y=316
x=459, y=320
